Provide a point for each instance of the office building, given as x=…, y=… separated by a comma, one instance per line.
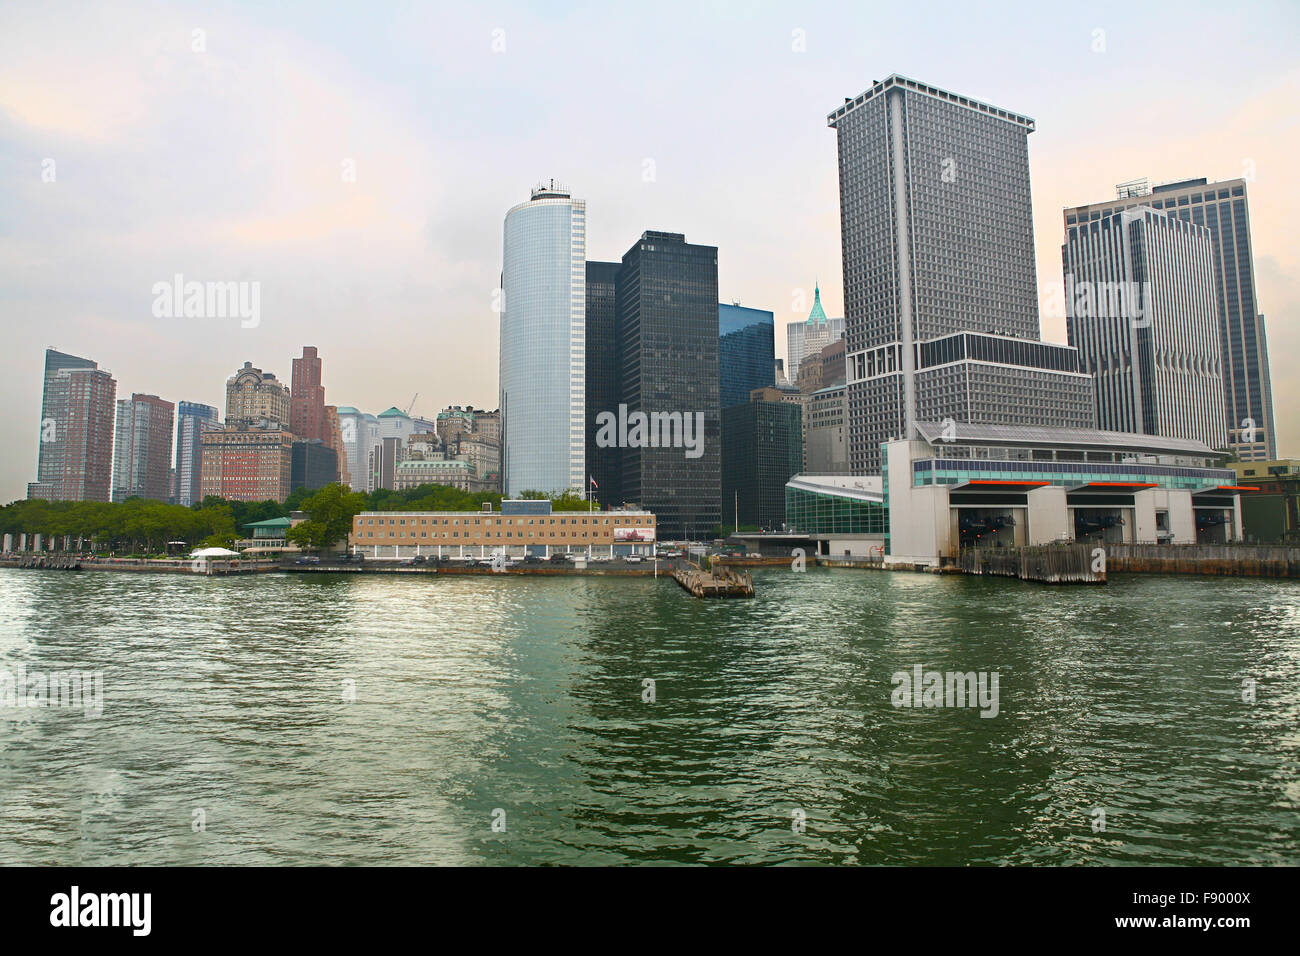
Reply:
x=192, y=420
x=825, y=447
x=1141, y=308
x=604, y=380
x=810, y=336
x=1222, y=208
x=667, y=292
x=312, y=465
x=543, y=344
x=142, y=453
x=520, y=529
x=941, y=311
x=745, y=352
x=762, y=449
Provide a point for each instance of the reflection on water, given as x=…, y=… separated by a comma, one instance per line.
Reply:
x=228, y=735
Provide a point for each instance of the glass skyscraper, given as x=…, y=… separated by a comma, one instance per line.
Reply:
x=667, y=292
x=1140, y=306
x=604, y=383
x=746, y=346
x=192, y=420
x=1222, y=208
x=937, y=234
x=543, y=344
x=762, y=449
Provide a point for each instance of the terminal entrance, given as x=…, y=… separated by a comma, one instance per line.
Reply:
x=1213, y=525
x=1105, y=525
x=988, y=527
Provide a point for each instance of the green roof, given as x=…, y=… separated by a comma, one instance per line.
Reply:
x=394, y=411
x=270, y=523
x=818, y=314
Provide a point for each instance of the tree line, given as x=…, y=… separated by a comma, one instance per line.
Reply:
x=141, y=525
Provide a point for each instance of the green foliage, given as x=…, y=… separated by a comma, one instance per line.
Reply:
x=329, y=516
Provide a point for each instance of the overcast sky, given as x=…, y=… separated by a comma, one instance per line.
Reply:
x=221, y=155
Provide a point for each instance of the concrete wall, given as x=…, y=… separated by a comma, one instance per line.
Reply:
x=1049, y=518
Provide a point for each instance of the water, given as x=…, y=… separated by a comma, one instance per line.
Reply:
x=224, y=705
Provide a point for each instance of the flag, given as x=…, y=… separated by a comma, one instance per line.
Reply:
x=593, y=481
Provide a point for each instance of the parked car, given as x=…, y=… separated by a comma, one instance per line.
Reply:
x=557, y=558
x=308, y=559
x=420, y=559
x=634, y=559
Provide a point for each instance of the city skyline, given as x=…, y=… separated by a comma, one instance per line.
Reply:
x=358, y=273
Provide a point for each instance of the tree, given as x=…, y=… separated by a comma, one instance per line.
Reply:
x=329, y=517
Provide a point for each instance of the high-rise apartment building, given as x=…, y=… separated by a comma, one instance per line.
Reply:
x=255, y=397
x=53, y=448
x=1141, y=308
x=75, y=460
x=941, y=310
x=142, y=448
x=1223, y=209
x=307, y=397
x=543, y=344
x=667, y=301
x=192, y=420
x=746, y=344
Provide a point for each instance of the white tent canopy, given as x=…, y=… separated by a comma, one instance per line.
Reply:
x=214, y=553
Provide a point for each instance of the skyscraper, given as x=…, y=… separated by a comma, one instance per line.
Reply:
x=812, y=335
x=74, y=461
x=941, y=310
x=192, y=420
x=762, y=449
x=543, y=343
x=1221, y=207
x=1141, y=307
x=746, y=348
x=142, y=448
x=254, y=397
x=604, y=378
x=667, y=292
x=307, y=397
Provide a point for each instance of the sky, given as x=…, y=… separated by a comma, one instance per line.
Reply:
x=357, y=161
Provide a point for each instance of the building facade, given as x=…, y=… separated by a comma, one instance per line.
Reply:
x=746, y=347
x=762, y=449
x=1141, y=307
x=1222, y=208
x=521, y=528
x=75, y=457
x=543, y=344
x=667, y=292
x=142, y=448
x=192, y=420
x=604, y=380
x=825, y=447
x=245, y=463
x=937, y=235
x=254, y=396
x=810, y=336
x=312, y=465
x=307, y=397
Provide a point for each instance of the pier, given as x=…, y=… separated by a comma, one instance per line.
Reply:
x=1049, y=563
x=722, y=582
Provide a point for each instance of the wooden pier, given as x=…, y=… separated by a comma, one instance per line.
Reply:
x=722, y=582
x=1049, y=563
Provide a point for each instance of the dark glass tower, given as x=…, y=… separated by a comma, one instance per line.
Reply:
x=667, y=294
x=746, y=350
x=762, y=449
x=603, y=380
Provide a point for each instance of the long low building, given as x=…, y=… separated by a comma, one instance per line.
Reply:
x=520, y=528
x=959, y=485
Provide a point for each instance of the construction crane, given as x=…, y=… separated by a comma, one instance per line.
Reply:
x=412, y=405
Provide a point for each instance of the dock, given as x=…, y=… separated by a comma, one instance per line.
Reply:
x=1049, y=564
x=722, y=582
